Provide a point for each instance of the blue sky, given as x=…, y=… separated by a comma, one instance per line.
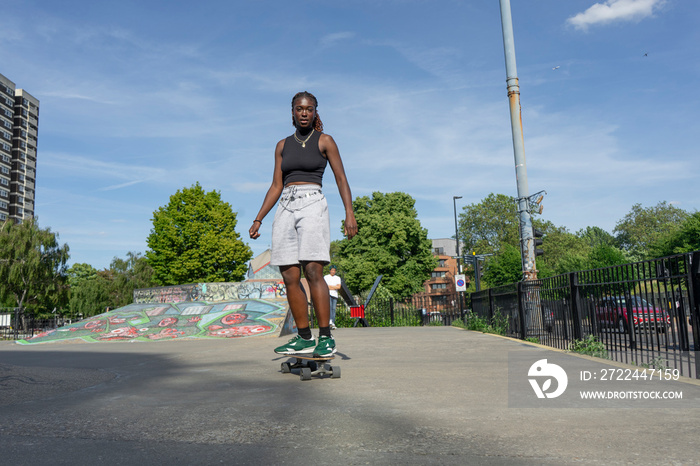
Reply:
x=142, y=98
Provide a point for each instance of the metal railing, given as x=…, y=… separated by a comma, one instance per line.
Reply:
x=644, y=313
x=15, y=326
x=414, y=311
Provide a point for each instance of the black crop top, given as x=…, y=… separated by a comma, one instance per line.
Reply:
x=303, y=163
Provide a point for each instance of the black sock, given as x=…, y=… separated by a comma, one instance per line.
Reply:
x=305, y=333
x=324, y=331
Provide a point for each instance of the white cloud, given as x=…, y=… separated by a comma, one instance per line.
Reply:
x=615, y=10
x=121, y=185
x=83, y=167
x=76, y=95
x=330, y=40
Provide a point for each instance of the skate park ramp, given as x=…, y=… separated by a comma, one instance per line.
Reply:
x=203, y=310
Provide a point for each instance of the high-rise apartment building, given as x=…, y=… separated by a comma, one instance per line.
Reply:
x=19, y=126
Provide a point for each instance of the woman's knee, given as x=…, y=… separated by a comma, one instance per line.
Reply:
x=291, y=275
x=313, y=271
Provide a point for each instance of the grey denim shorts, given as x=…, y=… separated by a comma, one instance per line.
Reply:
x=301, y=230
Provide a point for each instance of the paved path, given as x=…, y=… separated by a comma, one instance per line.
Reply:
x=430, y=395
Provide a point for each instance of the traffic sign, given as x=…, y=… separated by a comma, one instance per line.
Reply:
x=460, y=282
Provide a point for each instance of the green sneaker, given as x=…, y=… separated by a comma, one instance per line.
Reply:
x=297, y=345
x=325, y=347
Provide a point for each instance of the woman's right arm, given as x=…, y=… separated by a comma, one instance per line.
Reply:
x=273, y=194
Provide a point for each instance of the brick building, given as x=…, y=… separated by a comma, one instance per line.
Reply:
x=439, y=291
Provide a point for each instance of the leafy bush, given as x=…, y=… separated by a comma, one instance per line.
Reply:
x=472, y=321
x=590, y=346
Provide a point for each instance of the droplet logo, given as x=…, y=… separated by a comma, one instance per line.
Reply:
x=546, y=371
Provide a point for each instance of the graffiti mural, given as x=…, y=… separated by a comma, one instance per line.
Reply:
x=168, y=321
x=212, y=292
x=167, y=294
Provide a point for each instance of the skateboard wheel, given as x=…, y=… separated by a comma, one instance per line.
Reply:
x=335, y=372
x=305, y=373
x=286, y=368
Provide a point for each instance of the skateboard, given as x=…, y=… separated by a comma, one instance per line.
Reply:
x=310, y=366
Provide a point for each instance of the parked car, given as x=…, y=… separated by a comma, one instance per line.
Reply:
x=612, y=312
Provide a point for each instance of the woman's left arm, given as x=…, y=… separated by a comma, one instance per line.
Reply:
x=330, y=150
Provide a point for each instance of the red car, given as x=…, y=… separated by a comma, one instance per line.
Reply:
x=612, y=312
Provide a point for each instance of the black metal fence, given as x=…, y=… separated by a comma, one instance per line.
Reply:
x=644, y=313
x=414, y=311
x=20, y=326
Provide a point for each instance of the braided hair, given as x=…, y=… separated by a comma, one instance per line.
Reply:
x=318, y=124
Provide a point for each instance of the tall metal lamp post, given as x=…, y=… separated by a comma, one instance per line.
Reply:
x=527, y=246
x=454, y=202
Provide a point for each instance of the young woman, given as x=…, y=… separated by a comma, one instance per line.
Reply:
x=301, y=228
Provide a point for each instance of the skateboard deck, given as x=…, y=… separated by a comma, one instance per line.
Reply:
x=309, y=366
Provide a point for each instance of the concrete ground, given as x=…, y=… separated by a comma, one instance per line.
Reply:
x=416, y=395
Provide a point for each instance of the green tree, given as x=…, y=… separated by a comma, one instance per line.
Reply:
x=643, y=227
x=589, y=248
x=390, y=242
x=90, y=296
x=193, y=239
x=570, y=262
x=32, y=266
x=92, y=291
x=128, y=275
x=78, y=273
x=89, y=290
x=504, y=268
x=493, y=224
x=487, y=226
x=685, y=239
x=562, y=251
x=605, y=255
x=595, y=236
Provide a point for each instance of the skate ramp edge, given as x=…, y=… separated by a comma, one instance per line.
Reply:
x=241, y=318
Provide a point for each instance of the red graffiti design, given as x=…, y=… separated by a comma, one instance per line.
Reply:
x=168, y=321
x=233, y=319
x=94, y=324
x=121, y=333
x=234, y=332
x=165, y=333
x=43, y=334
